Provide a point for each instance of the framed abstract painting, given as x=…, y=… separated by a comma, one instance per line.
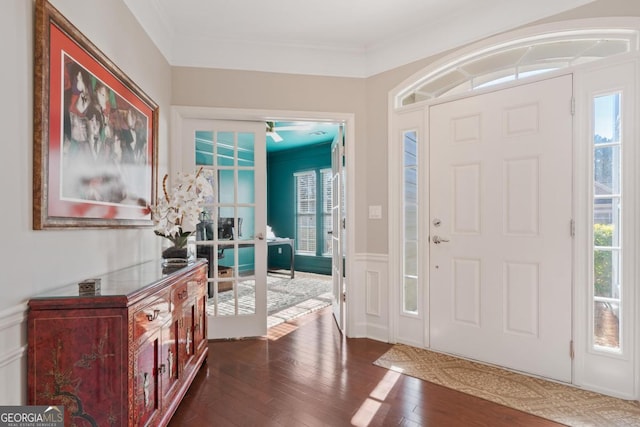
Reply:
x=95, y=134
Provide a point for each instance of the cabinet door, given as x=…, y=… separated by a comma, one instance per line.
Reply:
x=78, y=359
x=198, y=294
x=186, y=350
x=146, y=387
x=182, y=315
x=200, y=323
x=168, y=363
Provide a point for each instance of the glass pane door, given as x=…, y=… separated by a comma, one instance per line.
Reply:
x=231, y=230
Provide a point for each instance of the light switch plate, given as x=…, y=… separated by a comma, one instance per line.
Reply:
x=375, y=212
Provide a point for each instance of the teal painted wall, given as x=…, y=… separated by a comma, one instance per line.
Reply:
x=281, y=201
x=281, y=167
x=246, y=256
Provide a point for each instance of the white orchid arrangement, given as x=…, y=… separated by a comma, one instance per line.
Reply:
x=176, y=215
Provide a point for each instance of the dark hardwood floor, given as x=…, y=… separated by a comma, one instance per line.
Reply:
x=306, y=374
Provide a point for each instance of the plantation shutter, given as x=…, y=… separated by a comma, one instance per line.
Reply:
x=327, y=205
x=306, y=212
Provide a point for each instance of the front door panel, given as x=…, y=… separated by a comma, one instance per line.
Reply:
x=501, y=210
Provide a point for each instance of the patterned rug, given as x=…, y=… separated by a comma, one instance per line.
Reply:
x=286, y=298
x=546, y=399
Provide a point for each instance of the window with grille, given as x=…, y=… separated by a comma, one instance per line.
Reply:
x=519, y=59
x=306, y=212
x=327, y=205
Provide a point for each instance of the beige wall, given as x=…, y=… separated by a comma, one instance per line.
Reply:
x=34, y=261
x=599, y=8
x=285, y=92
x=379, y=86
x=367, y=98
x=65, y=256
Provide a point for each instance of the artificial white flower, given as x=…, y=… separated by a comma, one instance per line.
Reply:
x=176, y=215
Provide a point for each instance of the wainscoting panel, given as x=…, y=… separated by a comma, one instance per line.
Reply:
x=368, y=297
x=372, y=283
x=13, y=355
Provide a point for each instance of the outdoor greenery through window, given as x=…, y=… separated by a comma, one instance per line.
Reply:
x=607, y=233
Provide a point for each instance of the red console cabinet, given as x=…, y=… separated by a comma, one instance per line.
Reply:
x=125, y=357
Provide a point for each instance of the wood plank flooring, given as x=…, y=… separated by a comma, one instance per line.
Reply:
x=306, y=374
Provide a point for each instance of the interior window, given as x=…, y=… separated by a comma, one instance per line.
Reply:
x=305, y=213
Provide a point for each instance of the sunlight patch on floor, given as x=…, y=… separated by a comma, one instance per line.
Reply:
x=373, y=403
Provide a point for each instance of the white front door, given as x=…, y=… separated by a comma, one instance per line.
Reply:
x=337, y=227
x=232, y=229
x=500, y=227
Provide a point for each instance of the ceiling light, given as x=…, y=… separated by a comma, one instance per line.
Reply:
x=274, y=136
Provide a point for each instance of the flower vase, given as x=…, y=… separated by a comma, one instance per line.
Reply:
x=175, y=252
x=180, y=255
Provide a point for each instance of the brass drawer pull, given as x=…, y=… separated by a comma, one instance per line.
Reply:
x=183, y=295
x=154, y=316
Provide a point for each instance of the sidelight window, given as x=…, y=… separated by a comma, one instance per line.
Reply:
x=607, y=222
x=410, y=223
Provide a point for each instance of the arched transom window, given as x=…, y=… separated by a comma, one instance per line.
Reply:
x=519, y=59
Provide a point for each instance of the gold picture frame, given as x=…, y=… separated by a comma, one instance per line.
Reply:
x=95, y=134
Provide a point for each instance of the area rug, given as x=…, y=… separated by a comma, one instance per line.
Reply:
x=556, y=402
x=286, y=298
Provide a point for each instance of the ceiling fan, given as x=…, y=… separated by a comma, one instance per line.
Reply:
x=272, y=129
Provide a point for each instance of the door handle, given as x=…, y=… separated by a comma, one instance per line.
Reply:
x=437, y=239
x=260, y=236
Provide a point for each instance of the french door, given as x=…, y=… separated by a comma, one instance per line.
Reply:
x=231, y=233
x=338, y=227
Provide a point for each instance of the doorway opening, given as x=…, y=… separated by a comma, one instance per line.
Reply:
x=299, y=217
x=186, y=118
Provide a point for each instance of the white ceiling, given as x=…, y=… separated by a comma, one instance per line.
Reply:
x=354, y=38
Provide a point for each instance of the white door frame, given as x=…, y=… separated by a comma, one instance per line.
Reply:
x=180, y=113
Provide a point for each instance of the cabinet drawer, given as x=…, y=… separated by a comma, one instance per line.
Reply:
x=189, y=288
x=197, y=286
x=180, y=293
x=152, y=316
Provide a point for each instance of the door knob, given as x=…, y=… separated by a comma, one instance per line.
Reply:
x=437, y=239
x=260, y=236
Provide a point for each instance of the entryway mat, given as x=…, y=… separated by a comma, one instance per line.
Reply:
x=556, y=402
